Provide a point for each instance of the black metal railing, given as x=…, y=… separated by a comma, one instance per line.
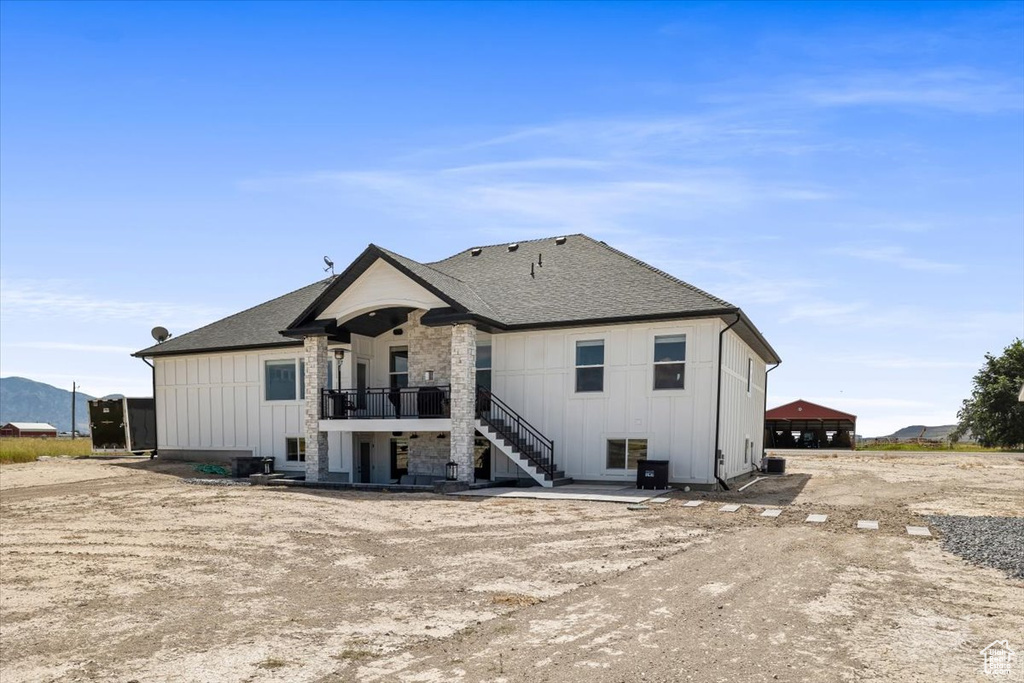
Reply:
x=511, y=427
x=386, y=403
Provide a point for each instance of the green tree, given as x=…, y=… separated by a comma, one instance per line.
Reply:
x=993, y=414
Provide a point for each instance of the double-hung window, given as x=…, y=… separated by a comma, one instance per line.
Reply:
x=398, y=368
x=590, y=365
x=623, y=454
x=483, y=365
x=670, y=361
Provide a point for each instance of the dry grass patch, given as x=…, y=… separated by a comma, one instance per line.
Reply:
x=514, y=599
x=272, y=663
x=14, y=449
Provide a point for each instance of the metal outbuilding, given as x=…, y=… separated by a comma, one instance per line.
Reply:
x=802, y=424
x=37, y=430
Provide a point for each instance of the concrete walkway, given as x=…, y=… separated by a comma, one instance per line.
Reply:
x=606, y=493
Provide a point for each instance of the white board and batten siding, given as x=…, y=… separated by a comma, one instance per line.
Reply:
x=216, y=402
x=534, y=372
x=742, y=419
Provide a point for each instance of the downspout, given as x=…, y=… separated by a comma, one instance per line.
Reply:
x=156, y=435
x=718, y=401
x=764, y=447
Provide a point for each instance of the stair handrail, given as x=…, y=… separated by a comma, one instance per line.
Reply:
x=517, y=429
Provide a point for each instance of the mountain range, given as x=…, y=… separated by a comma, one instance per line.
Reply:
x=24, y=400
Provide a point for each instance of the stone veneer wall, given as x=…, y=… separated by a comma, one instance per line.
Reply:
x=315, y=348
x=430, y=348
x=463, y=380
x=428, y=455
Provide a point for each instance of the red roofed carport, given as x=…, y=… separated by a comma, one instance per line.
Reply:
x=802, y=424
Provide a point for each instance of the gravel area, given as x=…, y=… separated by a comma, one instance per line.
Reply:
x=996, y=542
x=216, y=482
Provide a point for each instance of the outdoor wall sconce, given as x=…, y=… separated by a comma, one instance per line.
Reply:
x=440, y=435
x=451, y=471
x=428, y=376
x=414, y=436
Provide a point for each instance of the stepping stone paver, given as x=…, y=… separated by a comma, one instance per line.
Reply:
x=867, y=524
x=729, y=508
x=816, y=519
x=918, y=531
x=692, y=503
x=771, y=513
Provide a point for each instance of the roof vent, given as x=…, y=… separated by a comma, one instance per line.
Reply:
x=513, y=247
x=475, y=251
x=559, y=240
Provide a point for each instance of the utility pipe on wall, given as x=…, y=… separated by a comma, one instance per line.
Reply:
x=718, y=400
x=764, y=446
x=156, y=433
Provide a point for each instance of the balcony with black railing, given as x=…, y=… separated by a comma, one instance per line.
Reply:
x=399, y=403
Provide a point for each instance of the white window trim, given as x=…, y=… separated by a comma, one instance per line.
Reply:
x=651, y=339
x=391, y=349
x=613, y=471
x=604, y=366
x=263, y=381
x=299, y=362
x=293, y=464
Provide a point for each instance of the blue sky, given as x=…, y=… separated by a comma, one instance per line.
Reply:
x=850, y=174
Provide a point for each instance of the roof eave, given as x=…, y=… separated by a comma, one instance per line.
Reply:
x=146, y=353
x=352, y=273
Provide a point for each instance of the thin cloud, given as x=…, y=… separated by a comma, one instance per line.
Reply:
x=904, y=362
x=47, y=298
x=517, y=198
x=957, y=90
x=72, y=346
x=896, y=256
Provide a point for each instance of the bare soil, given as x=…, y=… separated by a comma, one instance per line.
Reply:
x=118, y=571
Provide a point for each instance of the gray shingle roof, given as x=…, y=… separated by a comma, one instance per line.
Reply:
x=578, y=281
x=582, y=279
x=258, y=326
x=456, y=289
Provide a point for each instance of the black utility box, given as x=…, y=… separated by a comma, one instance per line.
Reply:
x=652, y=474
x=775, y=465
x=243, y=467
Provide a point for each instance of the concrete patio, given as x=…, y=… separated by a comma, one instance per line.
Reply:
x=607, y=493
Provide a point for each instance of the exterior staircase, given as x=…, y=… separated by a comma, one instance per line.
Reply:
x=518, y=439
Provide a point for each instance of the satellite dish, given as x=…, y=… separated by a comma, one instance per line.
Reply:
x=160, y=334
x=330, y=265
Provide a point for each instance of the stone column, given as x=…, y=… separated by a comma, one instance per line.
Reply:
x=316, y=381
x=463, y=380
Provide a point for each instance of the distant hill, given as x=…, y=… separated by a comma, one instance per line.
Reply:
x=23, y=400
x=940, y=433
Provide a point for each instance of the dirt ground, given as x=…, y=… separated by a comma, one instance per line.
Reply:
x=119, y=571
